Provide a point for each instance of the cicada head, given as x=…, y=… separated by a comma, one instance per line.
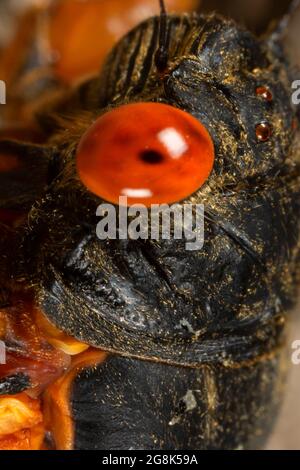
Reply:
x=226, y=97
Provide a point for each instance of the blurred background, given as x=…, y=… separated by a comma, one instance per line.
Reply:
x=286, y=435
x=53, y=44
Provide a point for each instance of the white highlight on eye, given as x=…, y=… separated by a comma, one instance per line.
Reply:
x=138, y=193
x=173, y=141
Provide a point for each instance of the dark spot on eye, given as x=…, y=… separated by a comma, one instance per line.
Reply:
x=263, y=131
x=151, y=156
x=264, y=93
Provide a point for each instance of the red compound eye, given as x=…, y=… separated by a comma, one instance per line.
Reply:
x=150, y=152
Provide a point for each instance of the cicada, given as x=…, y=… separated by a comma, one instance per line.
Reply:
x=137, y=343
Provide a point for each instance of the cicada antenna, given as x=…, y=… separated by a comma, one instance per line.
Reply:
x=162, y=54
